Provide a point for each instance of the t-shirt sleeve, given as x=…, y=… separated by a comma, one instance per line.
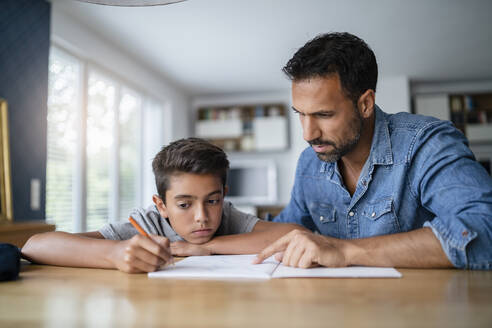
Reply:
x=148, y=219
x=235, y=221
x=118, y=231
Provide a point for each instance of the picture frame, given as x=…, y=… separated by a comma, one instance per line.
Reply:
x=6, y=210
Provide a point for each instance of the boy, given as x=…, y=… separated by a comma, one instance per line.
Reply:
x=190, y=217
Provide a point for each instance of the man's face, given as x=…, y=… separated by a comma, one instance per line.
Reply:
x=330, y=122
x=193, y=205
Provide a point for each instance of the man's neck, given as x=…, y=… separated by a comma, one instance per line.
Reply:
x=351, y=164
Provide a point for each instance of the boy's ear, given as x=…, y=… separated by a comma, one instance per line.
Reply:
x=226, y=189
x=160, y=206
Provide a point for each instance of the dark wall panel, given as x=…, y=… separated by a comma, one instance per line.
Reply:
x=24, y=53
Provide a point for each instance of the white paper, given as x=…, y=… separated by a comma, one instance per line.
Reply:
x=218, y=267
x=283, y=271
x=241, y=267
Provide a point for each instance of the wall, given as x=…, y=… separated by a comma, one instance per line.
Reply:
x=24, y=51
x=393, y=94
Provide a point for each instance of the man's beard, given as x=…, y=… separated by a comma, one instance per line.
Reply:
x=340, y=150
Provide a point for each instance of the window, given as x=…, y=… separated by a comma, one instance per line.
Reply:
x=63, y=89
x=130, y=152
x=98, y=152
x=100, y=142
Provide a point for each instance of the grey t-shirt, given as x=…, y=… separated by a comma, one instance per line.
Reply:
x=233, y=222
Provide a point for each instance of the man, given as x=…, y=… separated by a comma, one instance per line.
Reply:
x=377, y=189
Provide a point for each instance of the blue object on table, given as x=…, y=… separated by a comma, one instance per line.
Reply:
x=9, y=262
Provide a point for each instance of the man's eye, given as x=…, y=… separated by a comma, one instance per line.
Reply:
x=183, y=205
x=324, y=115
x=213, y=201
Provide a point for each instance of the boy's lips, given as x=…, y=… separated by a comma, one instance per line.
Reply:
x=202, y=232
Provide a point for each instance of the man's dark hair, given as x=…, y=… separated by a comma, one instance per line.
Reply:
x=341, y=53
x=191, y=155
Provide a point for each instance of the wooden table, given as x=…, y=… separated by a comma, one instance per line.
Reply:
x=46, y=296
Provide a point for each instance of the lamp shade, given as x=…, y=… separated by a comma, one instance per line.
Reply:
x=132, y=3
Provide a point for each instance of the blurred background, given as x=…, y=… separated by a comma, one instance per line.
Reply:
x=95, y=91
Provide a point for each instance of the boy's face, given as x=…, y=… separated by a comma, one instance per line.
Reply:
x=193, y=205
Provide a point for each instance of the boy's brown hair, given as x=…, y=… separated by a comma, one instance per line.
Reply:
x=190, y=155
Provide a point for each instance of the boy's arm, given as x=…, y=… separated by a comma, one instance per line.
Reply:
x=264, y=233
x=91, y=250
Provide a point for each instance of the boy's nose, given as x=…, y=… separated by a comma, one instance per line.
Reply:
x=201, y=215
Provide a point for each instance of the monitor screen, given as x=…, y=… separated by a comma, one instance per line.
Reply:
x=248, y=181
x=252, y=182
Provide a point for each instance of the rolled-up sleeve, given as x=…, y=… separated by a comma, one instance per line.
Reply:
x=458, y=191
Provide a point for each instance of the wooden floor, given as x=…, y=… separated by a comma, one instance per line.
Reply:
x=46, y=296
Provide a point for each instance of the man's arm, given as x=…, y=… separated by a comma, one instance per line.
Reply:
x=264, y=233
x=91, y=250
x=415, y=249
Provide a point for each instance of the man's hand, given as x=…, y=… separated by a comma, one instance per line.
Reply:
x=305, y=249
x=141, y=254
x=183, y=248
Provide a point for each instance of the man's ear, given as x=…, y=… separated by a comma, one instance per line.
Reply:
x=226, y=189
x=161, y=207
x=366, y=103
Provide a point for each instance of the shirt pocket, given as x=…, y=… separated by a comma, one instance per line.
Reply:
x=324, y=216
x=380, y=218
x=377, y=209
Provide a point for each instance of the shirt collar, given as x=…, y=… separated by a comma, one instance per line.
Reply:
x=381, y=152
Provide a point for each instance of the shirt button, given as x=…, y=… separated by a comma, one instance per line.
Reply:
x=351, y=213
x=464, y=233
x=373, y=214
x=364, y=182
x=321, y=218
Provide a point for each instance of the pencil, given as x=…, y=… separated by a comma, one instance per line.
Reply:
x=142, y=232
x=139, y=229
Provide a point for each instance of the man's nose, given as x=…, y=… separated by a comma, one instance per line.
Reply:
x=310, y=128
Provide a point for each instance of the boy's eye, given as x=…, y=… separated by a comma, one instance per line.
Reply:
x=213, y=201
x=183, y=205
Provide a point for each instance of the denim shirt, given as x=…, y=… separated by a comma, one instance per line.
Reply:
x=419, y=173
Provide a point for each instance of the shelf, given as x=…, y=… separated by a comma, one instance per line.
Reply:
x=244, y=128
x=479, y=132
x=219, y=129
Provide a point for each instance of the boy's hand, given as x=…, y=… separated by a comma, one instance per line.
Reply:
x=142, y=254
x=183, y=248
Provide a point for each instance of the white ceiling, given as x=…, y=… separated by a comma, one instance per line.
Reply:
x=223, y=46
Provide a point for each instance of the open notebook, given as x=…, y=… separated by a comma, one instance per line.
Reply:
x=240, y=267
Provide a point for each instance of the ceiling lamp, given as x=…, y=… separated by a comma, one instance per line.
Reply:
x=132, y=3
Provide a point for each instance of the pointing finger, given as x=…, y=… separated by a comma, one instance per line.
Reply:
x=278, y=246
